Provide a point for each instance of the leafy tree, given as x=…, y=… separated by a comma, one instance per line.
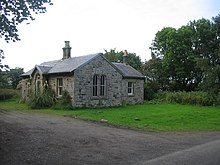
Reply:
x=115, y=56
x=189, y=55
x=4, y=83
x=10, y=78
x=210, y=61
x=153, y=70
x=173, y=47
x=14, y=76
x=15, y=12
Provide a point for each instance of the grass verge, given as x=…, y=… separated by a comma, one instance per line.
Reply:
x=148, y=117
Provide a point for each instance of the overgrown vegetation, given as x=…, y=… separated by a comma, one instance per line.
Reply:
x=193, y=98
x=41, y=100
x=64, y=102
x=6, y=94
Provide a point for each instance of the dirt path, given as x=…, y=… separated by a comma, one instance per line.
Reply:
x=30, y=138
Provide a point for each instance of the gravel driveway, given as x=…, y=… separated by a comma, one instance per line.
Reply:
x=32, y=138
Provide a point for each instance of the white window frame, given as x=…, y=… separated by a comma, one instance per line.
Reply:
x=59, y=87
x=102, y=85
x=130, y=88
x=95, y=86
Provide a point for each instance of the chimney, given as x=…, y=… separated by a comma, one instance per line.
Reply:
x=125, y=57
x=67, y=50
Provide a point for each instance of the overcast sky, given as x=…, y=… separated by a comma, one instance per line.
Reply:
x=94, y=25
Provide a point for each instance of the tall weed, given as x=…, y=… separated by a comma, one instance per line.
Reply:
x=194, y=98
x=41, y=100
x=8, y=94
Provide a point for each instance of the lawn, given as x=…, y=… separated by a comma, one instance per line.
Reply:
x=147, y=117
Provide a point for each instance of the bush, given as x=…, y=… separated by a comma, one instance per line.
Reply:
x=195, y=98
x=42, y=100
x=8, y=94
x=150, y=89
x=65, y=102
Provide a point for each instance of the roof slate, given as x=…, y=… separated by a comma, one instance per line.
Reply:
x=128, y=71
x=43, y=68
x=71, y=64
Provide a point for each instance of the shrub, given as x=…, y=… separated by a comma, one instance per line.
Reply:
x=65, y=102
x=150, y=89
x=195, y=98
x=8, y=94
x=44, y=99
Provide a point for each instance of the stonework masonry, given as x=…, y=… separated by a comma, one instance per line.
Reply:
x=84, y=84
x=116, y=84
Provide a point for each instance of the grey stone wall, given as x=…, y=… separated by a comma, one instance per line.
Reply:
x=84, y=84
x=138, y=91
x=24, y=88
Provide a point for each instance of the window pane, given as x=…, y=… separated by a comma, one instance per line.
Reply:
x=59, y=86
x=130, y=88
x=102, y=86
x=95, y=85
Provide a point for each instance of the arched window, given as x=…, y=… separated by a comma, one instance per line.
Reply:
x=95, y=85
x=102, y=85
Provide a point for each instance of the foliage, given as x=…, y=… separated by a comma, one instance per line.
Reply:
x=15, y=12
x=41, y=100
x=10, y=78
x=115, y=56
x=65, y=102
x=2, y=66
x=150, y=89
x=6, y=94
x=186, y=58
x=194, y=98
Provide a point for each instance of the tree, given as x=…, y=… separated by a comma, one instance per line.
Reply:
x=210, y=61
x=15, y=12
x=189, y=54
x=14, y=76
x=173, y=47
x=10, y=78
x=115, y=56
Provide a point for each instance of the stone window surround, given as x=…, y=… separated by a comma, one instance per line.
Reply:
x=59, y=87
x=99, y=86
x=130, y=88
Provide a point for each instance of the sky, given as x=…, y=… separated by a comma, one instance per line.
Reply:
x=93, y=26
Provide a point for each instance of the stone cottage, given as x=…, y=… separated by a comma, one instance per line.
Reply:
x=91, y=80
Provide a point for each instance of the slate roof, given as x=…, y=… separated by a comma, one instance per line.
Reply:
x=71, y=64
x=28, y=73
x=127, y=71
x=43, y=69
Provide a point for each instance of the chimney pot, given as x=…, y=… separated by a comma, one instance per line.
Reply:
x=125, y=57
x=67, y=50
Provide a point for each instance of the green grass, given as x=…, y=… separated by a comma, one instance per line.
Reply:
x=148, y=117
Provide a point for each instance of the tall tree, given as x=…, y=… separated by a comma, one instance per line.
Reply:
x=209, y=52
x=15, y=12
x=189, y=53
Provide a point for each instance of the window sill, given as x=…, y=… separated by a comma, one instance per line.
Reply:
x=99, y=98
